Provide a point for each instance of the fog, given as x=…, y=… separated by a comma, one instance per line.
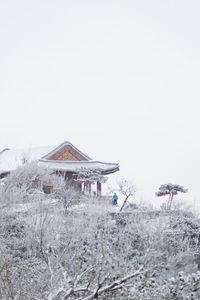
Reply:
x=119, y=79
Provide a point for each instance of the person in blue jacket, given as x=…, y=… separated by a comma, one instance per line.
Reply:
x=115, y=198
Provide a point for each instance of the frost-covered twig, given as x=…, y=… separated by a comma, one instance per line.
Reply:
x=117, y=283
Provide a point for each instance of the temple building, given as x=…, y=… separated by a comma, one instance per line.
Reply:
x=64, y=159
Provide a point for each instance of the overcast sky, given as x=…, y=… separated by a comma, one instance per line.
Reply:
x=120, y=79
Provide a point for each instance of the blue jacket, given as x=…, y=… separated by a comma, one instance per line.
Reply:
x=115, y=197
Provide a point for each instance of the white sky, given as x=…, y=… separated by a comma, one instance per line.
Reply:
x=120, y=79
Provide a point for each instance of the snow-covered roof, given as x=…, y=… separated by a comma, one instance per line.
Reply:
x=12, y=159
x=72, y=166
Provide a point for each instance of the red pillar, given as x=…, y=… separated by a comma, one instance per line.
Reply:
x=79, y=185
x=84, y=187
x=90, y=188
x=98, y=189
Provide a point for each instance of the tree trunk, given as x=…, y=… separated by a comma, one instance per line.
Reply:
x=198, y=253
x=170, y=203
x=125, y=200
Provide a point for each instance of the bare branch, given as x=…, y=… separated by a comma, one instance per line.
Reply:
x=117, y=283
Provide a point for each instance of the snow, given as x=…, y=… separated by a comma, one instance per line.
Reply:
x=33, y=206
x=11, y=159
x=75, y=165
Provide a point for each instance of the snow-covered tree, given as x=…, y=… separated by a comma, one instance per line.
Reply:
x=29, y=176
x=127, y=189
x=30, y=181
x=91, y=175
x=91, y=252
x=171, y=190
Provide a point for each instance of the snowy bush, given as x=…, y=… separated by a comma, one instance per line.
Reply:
x=92, y=252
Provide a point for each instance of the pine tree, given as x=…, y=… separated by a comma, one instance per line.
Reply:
x=171, y=190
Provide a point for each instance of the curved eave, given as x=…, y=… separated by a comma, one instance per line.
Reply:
x=73, y=166
x=4, y=174
x=110, y=171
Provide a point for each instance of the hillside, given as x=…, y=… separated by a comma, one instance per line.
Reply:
x=90, y=250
